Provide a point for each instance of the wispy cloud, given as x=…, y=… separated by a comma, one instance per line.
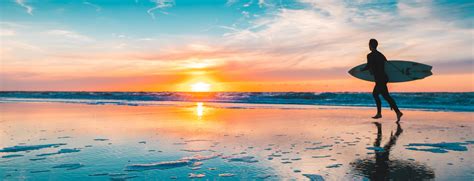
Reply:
x=4, y=24
x=7, y=32
x=29, y=9
x=159, y=5
x=97, y=7
x=69, y=34
x=325, y=31
x=230, y=2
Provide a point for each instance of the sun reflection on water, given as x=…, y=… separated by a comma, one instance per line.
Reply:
x=199, y=109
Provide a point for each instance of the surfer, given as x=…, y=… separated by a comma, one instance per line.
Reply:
x=376, y=66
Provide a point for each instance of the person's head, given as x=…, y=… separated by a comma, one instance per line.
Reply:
x=373, y=44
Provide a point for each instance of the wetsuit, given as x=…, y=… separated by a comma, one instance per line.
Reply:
x=376, y=66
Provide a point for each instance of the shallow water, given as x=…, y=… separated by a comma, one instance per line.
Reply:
x=60, y=141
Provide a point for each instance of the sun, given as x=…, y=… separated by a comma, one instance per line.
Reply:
x=200, y=87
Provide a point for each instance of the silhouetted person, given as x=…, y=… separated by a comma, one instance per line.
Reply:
x=376, y=66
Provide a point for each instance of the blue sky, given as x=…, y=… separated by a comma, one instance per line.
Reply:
x=297, y=45
x=134, y=18
x=142, y=18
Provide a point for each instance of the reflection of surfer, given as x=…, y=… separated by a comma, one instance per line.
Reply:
x=383, y=167
x=382, y=159
x=376, y=66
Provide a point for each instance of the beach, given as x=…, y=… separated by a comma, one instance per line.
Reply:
x=236, y=90
x=230, y=141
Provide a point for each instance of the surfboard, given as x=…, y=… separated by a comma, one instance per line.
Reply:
x=396, y=70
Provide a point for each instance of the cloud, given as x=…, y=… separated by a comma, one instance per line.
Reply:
x=97, y=7
x=29, y=9
x=4, y=24
x=230, y=2
x=159, y=5
x=317, y=41
x=261, y=3
x=335, y=34
x=322, y=39
x=69, y=34
x=246, y=14
x=248, y=3
x=7, y=32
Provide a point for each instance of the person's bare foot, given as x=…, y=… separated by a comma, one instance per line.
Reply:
x=399, y=116
x=377, y=116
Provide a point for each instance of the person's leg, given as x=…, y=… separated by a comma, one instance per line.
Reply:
x=386, y=95
x=375, y=94
x=384, y=91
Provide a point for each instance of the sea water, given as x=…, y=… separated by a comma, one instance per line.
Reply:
x=434, y=101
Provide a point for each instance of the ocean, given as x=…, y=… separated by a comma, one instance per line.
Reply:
x=431, y=101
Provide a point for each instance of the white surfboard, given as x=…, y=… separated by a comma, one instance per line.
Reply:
x=396, y=70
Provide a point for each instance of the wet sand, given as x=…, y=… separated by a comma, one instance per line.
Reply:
x=230, y=141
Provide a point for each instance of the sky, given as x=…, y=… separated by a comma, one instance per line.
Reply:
x=229, y=45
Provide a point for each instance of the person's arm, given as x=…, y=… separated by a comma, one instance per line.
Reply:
x=366, y=66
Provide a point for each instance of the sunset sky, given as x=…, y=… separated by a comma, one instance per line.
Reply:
x=233, y=45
